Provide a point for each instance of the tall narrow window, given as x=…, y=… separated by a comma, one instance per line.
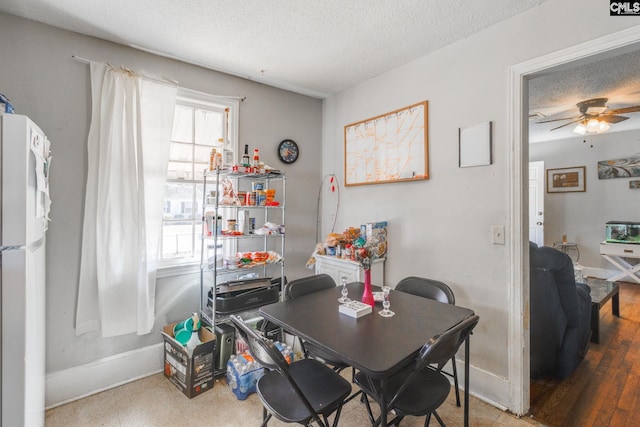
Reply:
x=198, y=128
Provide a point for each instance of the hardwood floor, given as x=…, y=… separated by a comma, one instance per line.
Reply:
x=605, y=389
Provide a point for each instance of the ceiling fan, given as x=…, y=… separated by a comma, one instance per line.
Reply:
x=595, y=116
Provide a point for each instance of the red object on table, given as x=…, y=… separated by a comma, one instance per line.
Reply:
x=367, y=295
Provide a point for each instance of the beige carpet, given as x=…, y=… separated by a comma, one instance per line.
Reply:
x=155, y=402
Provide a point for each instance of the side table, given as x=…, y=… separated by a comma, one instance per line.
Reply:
x=616, y=253
x=566, y=247
x=601, y=292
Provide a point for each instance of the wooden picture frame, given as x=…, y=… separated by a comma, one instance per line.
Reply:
x=566, y=180
x=392, y=147
x=474, y=144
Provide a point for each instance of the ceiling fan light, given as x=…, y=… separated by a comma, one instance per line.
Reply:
x=603, y=127
x=596, y=110
x=593, y=125
x=580, y=129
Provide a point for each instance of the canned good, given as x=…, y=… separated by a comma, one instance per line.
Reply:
x=252, y=198
x=231, y=224
x=257, y=186
x=242, y=197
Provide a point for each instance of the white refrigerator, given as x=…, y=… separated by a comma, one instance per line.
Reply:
x=24, y=193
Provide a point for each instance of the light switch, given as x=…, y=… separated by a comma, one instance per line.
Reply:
x=497, y=234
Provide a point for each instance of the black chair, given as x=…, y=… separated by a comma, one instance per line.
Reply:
x=304, y=286
x=438, y=291
x=302, y=392
x=418, y=389
x=560, y=314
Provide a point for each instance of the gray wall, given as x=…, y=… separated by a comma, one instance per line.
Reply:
x=441, y=228
x=44, y=83
x=583, y=215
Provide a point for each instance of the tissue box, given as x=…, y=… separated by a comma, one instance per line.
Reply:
x=355, y=309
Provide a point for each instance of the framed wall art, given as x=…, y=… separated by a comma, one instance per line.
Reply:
x=619, y=168
x=566, y=180
x=392, y=147
x=475, y=145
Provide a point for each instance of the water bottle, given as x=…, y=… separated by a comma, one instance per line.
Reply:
x=194, y=341
x=231, y=377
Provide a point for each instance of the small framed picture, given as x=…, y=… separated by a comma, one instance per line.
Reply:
x=634, y=184
x=566, y=180
x=475, y=145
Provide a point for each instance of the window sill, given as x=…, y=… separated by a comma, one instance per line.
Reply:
x=177, y=270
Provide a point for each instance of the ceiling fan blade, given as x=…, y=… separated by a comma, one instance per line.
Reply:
x=557, y=120
x=567, y=124
x=624, y=110
x=612, y=119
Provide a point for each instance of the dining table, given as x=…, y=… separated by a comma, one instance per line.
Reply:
x=375, y=345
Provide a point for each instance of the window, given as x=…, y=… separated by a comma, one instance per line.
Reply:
x=200, y=123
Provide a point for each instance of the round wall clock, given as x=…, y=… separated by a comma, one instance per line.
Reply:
x=288, y=151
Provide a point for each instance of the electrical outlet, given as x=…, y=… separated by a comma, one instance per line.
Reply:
x=497, y=234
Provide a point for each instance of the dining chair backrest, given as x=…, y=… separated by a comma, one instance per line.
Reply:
x=427, y=288
x=265, y=352
x=259, y=347
x=306, y=285
x=450, y=339
x=433, y=290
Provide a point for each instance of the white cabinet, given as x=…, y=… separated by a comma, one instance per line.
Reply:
x=338, y=268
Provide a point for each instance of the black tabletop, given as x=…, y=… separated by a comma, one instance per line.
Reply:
x=374, y=344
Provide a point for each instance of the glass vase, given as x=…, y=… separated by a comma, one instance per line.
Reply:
x=367, y=295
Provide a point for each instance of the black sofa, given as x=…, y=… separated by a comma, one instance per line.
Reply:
x=560, y=314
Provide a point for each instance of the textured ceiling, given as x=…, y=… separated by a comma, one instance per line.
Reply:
x=321, y=47
x=554, y=94
x=314, y=47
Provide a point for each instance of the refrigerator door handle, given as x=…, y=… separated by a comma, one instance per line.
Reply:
x=33, y=246
x=12, y=248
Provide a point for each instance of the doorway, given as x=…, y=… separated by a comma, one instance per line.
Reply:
x=536, y=202
x=519, y=384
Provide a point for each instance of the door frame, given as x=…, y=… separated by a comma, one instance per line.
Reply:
x=518, y=262
x=540, y=181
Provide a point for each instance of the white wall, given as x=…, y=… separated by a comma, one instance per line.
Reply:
x=45, y=83
x=440, y=228
x=583, y=215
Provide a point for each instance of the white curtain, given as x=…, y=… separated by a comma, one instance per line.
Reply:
x=128, y=150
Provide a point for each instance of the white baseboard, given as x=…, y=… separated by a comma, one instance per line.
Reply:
x=81, y=381
x=485, y=386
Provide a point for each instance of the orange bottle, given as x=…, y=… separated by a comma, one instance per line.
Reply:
x=256, y=160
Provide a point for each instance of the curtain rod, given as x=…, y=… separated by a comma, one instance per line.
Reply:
x=163, y=80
